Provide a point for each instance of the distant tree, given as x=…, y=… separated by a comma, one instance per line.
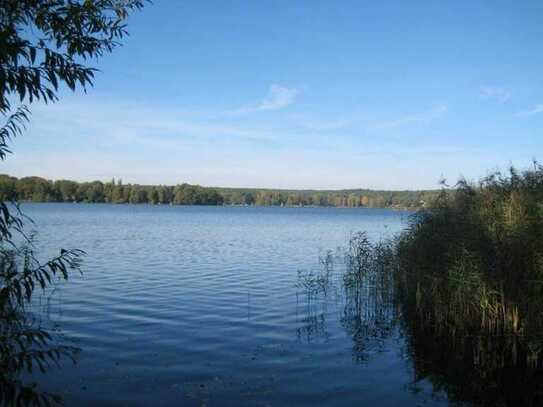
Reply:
x=108, y=190
x=249, y=198
x=81, y=193
x=117, y=192
x=7, y=188
x=137, y=195
x=236, y=198
x=213, y=198
x=95, y=192
x=153, y=196
x=353, y=200
x=65, y=190
x=178, y=195
x=34, y=189
x=164, y=194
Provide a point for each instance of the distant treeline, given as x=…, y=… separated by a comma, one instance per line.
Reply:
x=36, y=189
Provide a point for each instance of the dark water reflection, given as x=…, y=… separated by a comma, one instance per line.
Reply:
x=241, y=306
x=477, y=370
x=468, y=369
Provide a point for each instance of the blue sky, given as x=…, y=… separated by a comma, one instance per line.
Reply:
x=303, y=94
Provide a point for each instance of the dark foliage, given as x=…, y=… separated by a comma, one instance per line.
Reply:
x=478, y=253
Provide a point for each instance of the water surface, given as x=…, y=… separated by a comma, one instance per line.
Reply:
x=193, y=305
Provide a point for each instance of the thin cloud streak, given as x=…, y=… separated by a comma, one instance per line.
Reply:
x=278, y=98
x=495, y=93
x=140, y=122
x=535, y=110
x=121, y=126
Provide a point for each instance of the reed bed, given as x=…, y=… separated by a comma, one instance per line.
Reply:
x=465, y=281
x=473, y=263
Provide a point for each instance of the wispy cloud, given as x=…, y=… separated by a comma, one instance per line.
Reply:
x=417, y=118
x=278, y=97
x=535, y=110
x=113, y=126
x=495, y=93
x=122, y=124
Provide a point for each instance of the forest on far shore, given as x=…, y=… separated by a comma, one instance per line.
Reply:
x=37, y=189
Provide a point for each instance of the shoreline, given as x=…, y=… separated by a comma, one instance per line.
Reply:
x=413, y=209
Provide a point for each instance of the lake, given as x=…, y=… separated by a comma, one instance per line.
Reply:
x=201, y=305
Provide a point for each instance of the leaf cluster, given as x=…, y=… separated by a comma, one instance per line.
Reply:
x=44, y=43
x=24, y=345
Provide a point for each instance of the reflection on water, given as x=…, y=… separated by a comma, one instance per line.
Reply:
x=489, y=371
x=476, y=369
x=354, y=284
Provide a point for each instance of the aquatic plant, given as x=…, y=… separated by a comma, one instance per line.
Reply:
x=469, y=286
x=360, y=280
x=473, y=262
x=312, y=283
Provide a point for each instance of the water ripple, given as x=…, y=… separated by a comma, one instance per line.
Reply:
x=192, y=305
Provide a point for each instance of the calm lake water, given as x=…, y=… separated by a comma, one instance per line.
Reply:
x=200, y=305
